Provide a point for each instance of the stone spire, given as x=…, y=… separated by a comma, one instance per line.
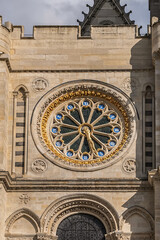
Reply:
x=105, y=12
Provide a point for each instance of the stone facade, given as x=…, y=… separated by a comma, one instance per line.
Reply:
x=39, y=76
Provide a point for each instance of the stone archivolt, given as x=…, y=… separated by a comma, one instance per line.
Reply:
x=71, y=204
x=46, y=226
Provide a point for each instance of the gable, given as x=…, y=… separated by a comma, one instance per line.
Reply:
x=103, y=13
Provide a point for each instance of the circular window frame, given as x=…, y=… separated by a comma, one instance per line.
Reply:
x=81, y=89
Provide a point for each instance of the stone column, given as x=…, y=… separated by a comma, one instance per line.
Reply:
x=154, y=179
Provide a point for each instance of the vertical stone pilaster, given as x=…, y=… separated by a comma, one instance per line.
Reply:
x=2, y=211
x=157, y=208
x=157, y=109
x=15, y=94
x=4, y=78
x=26, y=133
x=154, y=179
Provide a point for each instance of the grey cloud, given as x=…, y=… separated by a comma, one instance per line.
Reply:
x=54, y=12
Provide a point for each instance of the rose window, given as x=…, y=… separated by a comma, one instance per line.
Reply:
x=83, y=127
x=86, y=129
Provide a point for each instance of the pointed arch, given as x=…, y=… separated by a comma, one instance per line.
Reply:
x=19, y=87
x=148, y=127
x=139, y=211
x=22, y=213
x=20, y=129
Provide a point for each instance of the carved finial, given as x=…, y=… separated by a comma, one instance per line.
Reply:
x=139, y=30
x=79, y=21
x=85, y=14
x=90, y=8
x=129, y=13
x=123, y=7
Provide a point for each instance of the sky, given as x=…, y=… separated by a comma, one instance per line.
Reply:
x=62, y=12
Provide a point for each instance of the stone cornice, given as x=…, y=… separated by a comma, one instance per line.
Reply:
x=108, y=185
x=5, y=58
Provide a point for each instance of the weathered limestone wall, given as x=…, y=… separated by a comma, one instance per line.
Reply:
x=4, y=101
x=113, y=55
x=3, y=211
x=157, y=208
x=156, y=59
x=4, y=82
x=57, y=48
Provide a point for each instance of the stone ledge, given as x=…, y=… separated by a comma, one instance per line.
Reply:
x=118, y=185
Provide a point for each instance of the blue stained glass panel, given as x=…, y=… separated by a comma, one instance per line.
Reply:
x=116, y=129
x=59, y=143
x=69, y=153
x=59, y=116
x=112, y=116
x=85, y=157
x=54, y=129
x=101, y=106
x=112, y=143
x=70, y=107
x=101, y=153
x=85, y=103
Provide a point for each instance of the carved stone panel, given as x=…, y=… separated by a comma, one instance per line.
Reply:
x=39, y=84
x=129, y=165
x=39, y=166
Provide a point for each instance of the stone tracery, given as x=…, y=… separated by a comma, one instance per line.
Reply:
x=61, y=102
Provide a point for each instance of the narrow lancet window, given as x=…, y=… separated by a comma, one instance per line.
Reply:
x=20, y=125
x=148, y=129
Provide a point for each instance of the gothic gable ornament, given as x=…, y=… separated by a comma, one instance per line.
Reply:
x=83, y=125
x=105, y=13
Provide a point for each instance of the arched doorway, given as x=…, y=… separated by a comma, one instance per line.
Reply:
x=81, y=227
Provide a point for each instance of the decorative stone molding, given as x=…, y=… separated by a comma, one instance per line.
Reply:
x=39, y=84
x=39, y=166
x=24, y=212
x=137, y=210
x=44, y=236
x=130, y=84
x=129, y=165
x=24, y=198
x=115, y=236
x=77, y=89
x=72, y=204
x=88, y=185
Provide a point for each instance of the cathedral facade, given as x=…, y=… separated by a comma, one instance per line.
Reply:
x=80, y=128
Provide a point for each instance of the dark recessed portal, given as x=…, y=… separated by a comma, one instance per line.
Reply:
x=81, y=227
